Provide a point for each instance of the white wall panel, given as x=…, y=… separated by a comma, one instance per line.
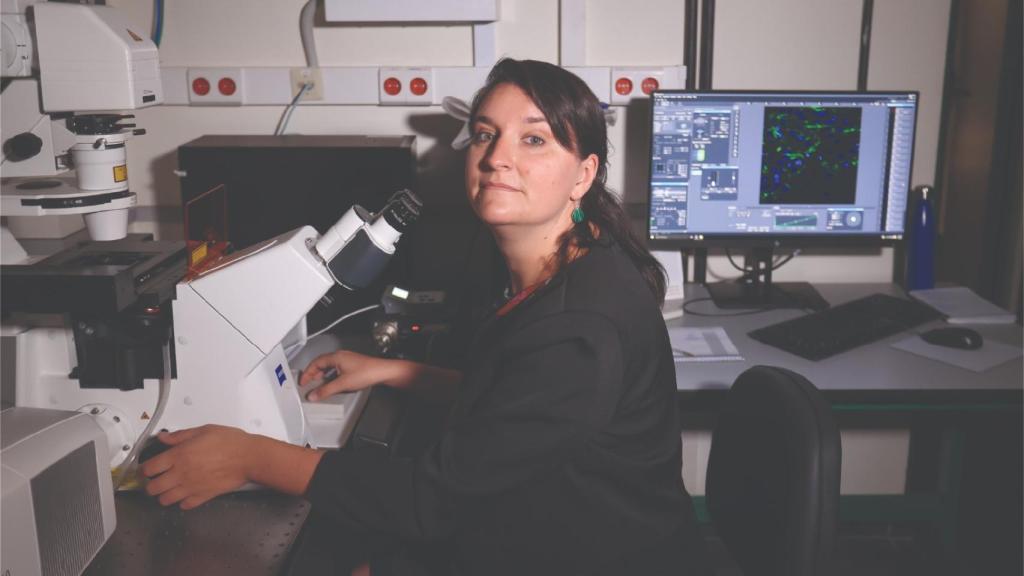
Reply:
x=782, y=44
x=786, y=44
x=908, y=52
x=874, y=461
x=266, y=33
x=640, y=33
x=528, y=29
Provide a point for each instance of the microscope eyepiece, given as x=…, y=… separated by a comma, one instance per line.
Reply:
x=402, y=210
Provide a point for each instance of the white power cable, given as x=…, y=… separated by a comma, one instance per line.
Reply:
x=331, y=325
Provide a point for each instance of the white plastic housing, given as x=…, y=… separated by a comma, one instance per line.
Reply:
x=264, y=290
x=101, y=162
x=13, y=193
x=228, y=326
x=92, y=58
x=383, y=235
x=107, y=225
x=22, y=113
x=17, y=46
x=338, y=235
x=58, y=502
x=222, y=379
x=411, y=11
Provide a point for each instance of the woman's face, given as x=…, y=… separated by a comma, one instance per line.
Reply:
x=517, y=173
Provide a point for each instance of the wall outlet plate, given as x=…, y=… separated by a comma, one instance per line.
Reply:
x=406, y=86
x=301, y=76
x=629, y=83
x=216, y=86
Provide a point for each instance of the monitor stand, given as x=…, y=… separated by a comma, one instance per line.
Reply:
x=760, y=292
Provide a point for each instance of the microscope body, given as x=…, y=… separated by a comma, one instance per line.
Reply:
x=235, y=327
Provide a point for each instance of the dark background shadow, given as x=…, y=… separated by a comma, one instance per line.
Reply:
x=165, y=214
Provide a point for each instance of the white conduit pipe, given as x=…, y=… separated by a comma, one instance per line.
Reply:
x=306, y=32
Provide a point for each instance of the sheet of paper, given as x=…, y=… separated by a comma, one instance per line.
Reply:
x=963, y=306
x=672, y=309
x=672, y=261
x=991, y=353
x=709, y=344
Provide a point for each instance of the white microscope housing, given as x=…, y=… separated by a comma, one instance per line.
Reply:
x=236, y=326
x=71, y=58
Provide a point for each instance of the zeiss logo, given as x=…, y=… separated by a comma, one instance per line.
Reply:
x=280, y=375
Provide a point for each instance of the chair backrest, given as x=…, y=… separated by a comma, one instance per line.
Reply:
x=773, y=475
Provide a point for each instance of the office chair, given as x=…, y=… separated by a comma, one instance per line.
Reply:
x=773, y=475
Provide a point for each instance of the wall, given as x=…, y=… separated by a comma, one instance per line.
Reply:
x=783, y=44
x=770, y=45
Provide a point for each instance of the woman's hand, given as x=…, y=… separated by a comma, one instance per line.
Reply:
x=200, y=464
x=355, y=372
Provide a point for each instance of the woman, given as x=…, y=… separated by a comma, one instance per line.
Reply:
x=562, y=454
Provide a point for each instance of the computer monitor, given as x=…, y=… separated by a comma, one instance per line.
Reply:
x=763, y=170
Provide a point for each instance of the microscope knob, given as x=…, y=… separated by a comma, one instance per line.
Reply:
x=24, y=146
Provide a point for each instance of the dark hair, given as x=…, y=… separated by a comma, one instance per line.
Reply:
x=577, y=122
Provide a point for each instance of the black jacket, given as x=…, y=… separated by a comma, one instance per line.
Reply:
x=563, y=453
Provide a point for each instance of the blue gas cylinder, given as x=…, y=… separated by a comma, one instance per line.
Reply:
x=921, y=272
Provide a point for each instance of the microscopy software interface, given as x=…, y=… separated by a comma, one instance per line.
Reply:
x=740, y=164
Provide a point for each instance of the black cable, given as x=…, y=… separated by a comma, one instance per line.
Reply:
x=783, y=260
x=728, y=254
x=865, y=45
x=282, y=124
x=690, y=44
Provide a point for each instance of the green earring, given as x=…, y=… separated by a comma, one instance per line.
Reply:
x=578, y=215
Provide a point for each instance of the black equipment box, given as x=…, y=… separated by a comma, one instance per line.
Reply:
x=274, y=184
x=277, y=183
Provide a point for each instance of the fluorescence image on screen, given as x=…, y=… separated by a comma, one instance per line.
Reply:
x=810, y=155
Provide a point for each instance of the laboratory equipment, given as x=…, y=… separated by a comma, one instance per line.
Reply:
x=92, y=63
x=58, y=506
x=273, y=184
x=146, y=350
x=231, y=329
x=410, y=321
x=764, y=171
x=70, y=70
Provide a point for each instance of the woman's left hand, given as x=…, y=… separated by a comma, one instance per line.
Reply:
x=200, y=464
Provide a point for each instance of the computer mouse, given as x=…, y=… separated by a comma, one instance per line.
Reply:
x=952, y=337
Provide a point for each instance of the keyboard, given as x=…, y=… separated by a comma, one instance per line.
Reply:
x=840, y=328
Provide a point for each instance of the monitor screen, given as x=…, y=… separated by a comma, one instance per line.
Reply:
x=748, y=168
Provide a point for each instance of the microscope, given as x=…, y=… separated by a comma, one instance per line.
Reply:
x=70, y=72
x=111, y=339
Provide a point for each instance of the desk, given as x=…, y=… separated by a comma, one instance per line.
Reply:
x=872, y=373
x=873, y=386
x=247, y=533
